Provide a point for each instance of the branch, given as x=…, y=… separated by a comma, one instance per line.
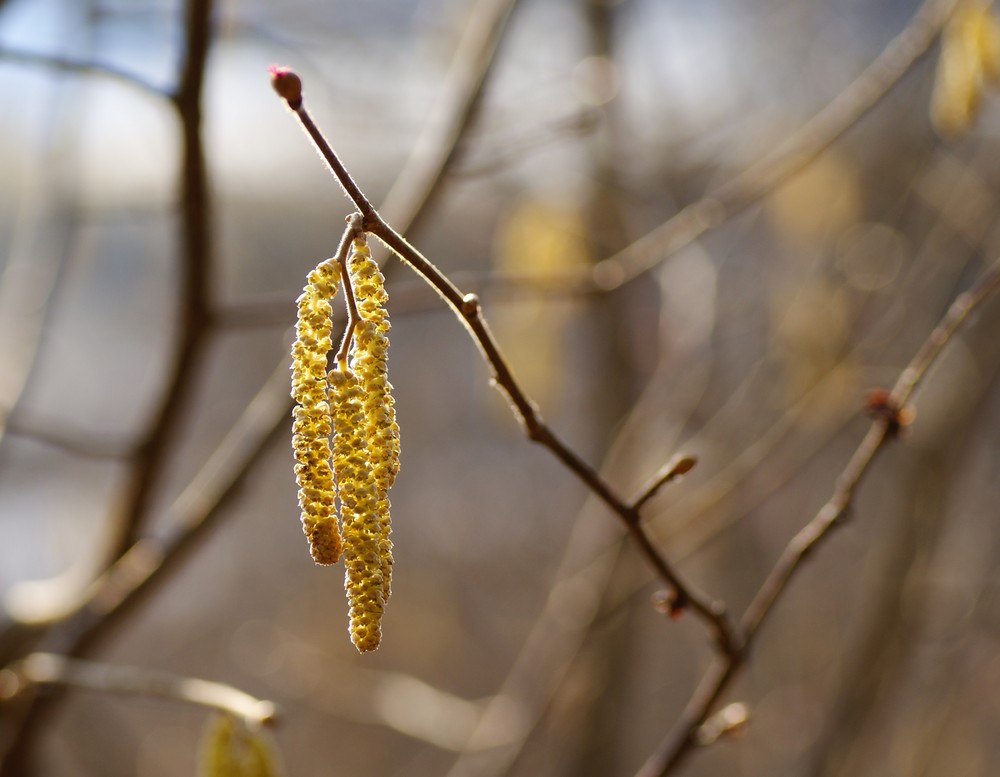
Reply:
x=467, y=308
x=795, y=153
x=353, y=317
x=82, y=67
x=449, y=117
x=51, y=669
x=884, y=428
x=673, y=469
x=195, y=262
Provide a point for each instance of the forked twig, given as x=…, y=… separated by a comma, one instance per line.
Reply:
x=352, y=230
x=884, y=428
x=467, y=307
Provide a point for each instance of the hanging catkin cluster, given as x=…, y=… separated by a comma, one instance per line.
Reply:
x=353, y=406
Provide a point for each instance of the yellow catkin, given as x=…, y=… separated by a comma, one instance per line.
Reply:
x=986, y=35
x=363, y=548
x=969, y=61
x=368, y=362
x=312, y=427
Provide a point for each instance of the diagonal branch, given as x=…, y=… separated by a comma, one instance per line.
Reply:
x=449, y=117
x=684, y=736
x=51, y=669
x=81, y=67
x=764, y=176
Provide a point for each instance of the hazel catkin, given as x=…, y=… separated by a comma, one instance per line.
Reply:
x=365, y=555
x=369, y=363
x=968, y=63
x=312, y=425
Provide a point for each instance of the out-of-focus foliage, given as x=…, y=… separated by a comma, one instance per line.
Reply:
x=229, y=749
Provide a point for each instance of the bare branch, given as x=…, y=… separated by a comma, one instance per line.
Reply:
x=81, y=67
x=761, y=178
x=449, y=117
x=683, y=737
x=195, y=261
x=51, y=669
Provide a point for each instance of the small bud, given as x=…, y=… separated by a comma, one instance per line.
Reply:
x=670, y=604
x=731, y=720
x=470, y=305
x=880, y=404
x=287, y=84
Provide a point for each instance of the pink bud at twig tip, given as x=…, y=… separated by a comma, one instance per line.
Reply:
x=287, y=85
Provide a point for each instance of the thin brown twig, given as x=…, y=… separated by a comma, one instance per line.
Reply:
x=78, y=443
x=81, y=67
x=683, y=737
x=351, y=232
x=51, y=669
x=673, y=469
x=198, y=508
x=449, y=117
x=881, y=431
x=691, y=530
x=195, y=261
x=469, y=311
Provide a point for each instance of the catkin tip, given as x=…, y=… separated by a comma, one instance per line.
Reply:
x=325, y=544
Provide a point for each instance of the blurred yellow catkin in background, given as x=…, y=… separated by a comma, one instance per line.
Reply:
x=969, y=62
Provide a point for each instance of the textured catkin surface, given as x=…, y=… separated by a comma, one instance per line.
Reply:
x=369, y=363
x=312, y=427
x=363, y=554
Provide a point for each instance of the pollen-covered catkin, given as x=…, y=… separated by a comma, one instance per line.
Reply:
x=312, y=427
x=369, y=363
x=364, y=551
